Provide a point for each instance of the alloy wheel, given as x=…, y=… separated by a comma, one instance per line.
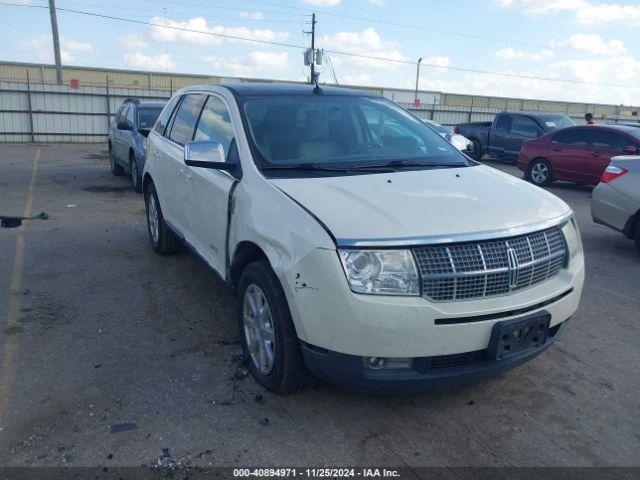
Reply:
x=539, y=173
x=258, y=328
x=154, y=221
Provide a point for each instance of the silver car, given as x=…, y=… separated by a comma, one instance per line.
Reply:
x=461, y=142
x=616, y=200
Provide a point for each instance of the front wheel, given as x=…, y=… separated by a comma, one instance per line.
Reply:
x=268, y=336
x=163, y=240
x=540, y=173
x=637, y=235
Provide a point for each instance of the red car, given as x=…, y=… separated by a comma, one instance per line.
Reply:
x=576, y=154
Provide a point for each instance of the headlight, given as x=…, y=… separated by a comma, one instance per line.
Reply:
x=145, y=144
x=381, y=272
x=572, y=237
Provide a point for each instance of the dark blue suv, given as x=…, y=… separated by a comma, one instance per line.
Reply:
x=127, y=134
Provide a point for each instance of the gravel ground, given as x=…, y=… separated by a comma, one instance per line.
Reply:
x=111, y=353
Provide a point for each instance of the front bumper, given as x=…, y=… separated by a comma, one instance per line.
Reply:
x=425, y=374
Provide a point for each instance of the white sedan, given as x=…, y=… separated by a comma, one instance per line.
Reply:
x=461, y=142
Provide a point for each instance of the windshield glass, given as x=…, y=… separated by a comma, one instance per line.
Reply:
x=556, y=122
x=341, y=131
x=439, y=128
x=147, y=116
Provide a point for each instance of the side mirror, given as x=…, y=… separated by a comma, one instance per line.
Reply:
x=124, y=125
x=206, y=154
x=630, y=150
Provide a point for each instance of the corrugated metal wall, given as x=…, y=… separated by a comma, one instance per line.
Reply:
x=33, y=108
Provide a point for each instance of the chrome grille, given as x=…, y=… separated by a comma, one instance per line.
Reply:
x=465, y=271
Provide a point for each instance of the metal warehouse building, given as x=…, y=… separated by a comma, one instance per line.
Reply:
x=34, y=108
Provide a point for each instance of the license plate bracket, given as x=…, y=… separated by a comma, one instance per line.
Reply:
x=518, y=335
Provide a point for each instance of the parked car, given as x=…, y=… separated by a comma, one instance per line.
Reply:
x=349, y=231
x=127, y=133
x=615, y=202
x=577, y=154
x=461, y=142
x=503, y=137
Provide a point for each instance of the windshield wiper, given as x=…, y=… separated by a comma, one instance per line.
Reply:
x=319, y=168
x=407, y=163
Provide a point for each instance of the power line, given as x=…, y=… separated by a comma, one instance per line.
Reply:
x=337, y=52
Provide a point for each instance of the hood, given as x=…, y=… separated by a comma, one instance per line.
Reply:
x=423, y=203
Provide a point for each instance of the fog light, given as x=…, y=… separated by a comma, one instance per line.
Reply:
x=379, y=363
x=375, y=363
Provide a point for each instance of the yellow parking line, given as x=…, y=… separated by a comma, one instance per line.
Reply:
x=13, y=309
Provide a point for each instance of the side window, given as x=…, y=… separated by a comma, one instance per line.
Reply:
x=186, y=116
x=607, y=140
x=130, y=116
x=504, y=123
x=164, y=117
x=578, y=137
x=215, y=123
x=124, y=112
x=524, y=127
x=119, y=113
x=387, y=131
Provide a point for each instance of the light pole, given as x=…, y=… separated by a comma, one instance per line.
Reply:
x=416, y=102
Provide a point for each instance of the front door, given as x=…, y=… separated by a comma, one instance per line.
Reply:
x=211, y=188
x=522, y=128
x=567, y=153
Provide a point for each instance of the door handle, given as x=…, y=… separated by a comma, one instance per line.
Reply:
x=556, y=149
x=595, y=154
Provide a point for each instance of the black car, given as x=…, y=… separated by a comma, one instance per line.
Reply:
x=127, y=132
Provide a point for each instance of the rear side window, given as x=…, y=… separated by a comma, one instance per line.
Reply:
x=130, y=115
x=186, y=117
x=215, y=123
x=525, y=127
x=504, y=123
x=577, y=137
x=608, y=140
x=163, y=119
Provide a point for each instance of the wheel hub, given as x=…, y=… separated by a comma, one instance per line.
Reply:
x=258, y=328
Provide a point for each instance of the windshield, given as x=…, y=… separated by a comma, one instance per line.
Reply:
x=439, y=128
x=556, y=122
x=147, y=116
x=342, y=132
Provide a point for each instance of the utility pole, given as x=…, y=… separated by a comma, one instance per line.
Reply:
x=56, y=40
x=416, y=102
x=310, y=55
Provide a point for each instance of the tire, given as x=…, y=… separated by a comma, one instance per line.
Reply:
x=116, y=168
x=136, y=177
x=637, y=235
x=477, y=151
x=281, y=367
x=540, y=173
x=163, y=240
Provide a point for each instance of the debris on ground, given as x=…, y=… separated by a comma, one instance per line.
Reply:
x=123, y=427
x=258, y=398
x=264, y=422
x=241, y=372
x=169, y=464
x=237, y=356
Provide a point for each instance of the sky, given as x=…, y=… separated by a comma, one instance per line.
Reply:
x=485, y=47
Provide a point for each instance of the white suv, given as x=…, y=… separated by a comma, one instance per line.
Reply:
x=362, y=246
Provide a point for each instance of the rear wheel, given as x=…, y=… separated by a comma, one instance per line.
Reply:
x=637, y=235
x=116, y=168
x=136, y=177
x=162, y=238
x=540, y=173
x=268, y=336
x=477, y=151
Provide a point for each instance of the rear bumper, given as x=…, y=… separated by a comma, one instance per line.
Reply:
x=349, y=372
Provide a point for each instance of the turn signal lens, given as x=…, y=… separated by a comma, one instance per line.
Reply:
x=612, y=173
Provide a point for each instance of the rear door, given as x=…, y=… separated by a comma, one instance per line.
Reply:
x=568, y=151
x=605, y=144
x=210, y=188
x=522, y=128
x=498, y=135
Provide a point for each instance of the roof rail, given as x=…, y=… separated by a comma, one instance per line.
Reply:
x=132, y=100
